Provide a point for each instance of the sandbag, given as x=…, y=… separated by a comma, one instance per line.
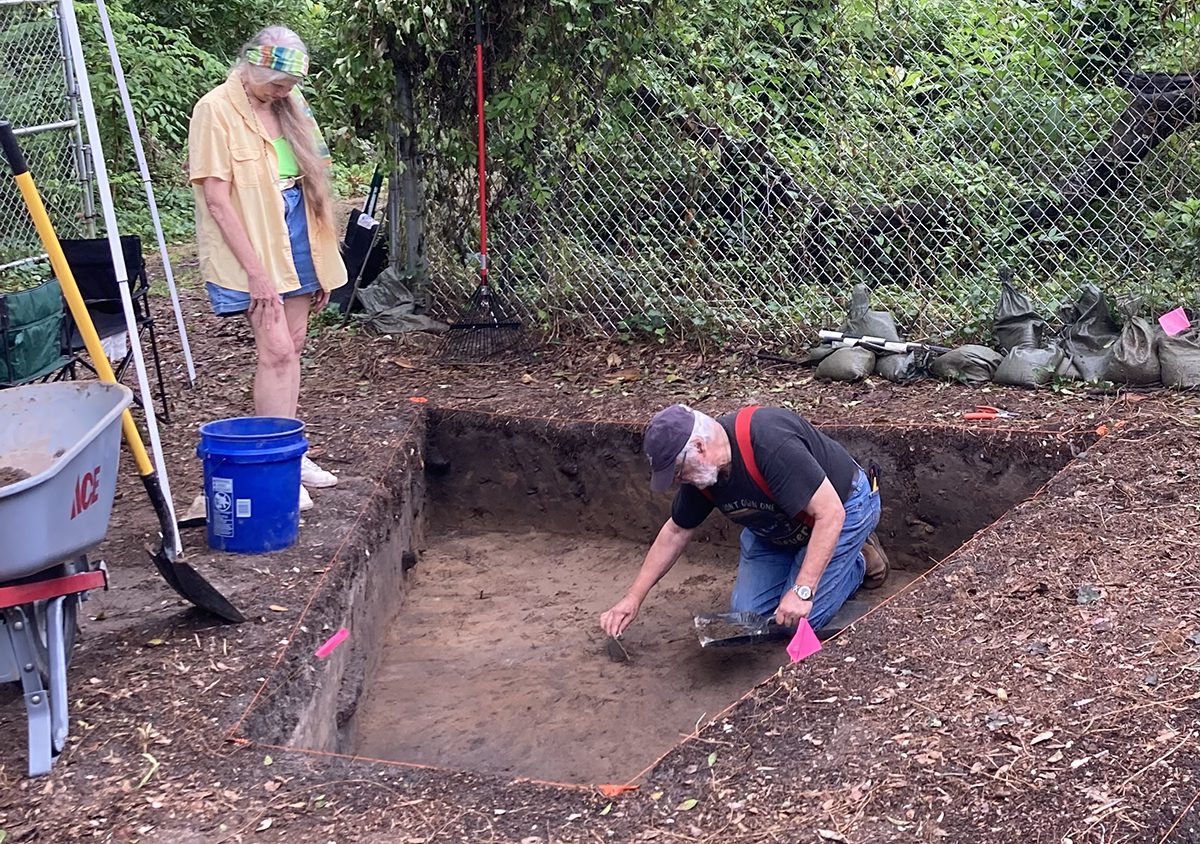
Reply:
x=1180, y=359
x=902, y=368
x=1088, y=336
x=1133, y=359
x=848, y=364
x=818, y=353
x=1017, y=325
x=972, y=365
x=1027, y=367
x=864, y=322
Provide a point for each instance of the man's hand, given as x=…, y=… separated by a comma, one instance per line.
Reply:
x=618, y=618
x=791, y=609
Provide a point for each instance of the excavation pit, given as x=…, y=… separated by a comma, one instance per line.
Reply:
x=486, y=654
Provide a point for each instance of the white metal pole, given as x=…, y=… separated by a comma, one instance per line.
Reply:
x=100, y=171
x=119, y=73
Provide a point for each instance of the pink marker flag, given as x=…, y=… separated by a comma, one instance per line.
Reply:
x=1174, y=322
x=805, y=643
x=332, y=642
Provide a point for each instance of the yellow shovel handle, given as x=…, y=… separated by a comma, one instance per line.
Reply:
x=70, y=290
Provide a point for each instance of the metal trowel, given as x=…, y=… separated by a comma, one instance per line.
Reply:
x=723, y=629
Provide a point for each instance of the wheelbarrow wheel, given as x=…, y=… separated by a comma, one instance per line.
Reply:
x=39, y=612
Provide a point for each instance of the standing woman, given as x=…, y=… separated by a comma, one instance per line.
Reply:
x=264, y=215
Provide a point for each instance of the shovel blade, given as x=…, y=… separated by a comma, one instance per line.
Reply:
x=180, y=576
x=724, y=629
x=191, y=585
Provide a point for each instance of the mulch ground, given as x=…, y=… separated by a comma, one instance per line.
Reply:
x=1038, y=685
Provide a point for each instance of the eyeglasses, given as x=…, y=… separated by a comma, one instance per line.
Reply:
x=680, y=461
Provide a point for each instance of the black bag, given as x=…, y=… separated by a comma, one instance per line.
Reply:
x=1017, y=325
x=1180, y=359
x=1088, y=337
x=864, y=322
x=972, y=365
x=904, y=367
x=848, y=364
x=1026, y=367
x=1134, y=359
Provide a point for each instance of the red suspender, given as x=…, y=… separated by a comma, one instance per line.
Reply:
x=741, y=430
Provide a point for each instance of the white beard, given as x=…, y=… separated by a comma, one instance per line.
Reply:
x=704, y=477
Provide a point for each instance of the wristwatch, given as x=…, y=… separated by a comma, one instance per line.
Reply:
x=804, y=593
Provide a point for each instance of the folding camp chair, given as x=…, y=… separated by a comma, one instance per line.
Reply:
x=91, y=264
x=31, y=335
x=364, y=253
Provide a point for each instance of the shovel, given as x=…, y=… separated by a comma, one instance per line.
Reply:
x=182, y=578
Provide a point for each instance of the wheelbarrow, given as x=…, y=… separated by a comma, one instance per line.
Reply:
x=59, y=449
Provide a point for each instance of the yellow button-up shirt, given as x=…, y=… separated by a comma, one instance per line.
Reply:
x=226, y=141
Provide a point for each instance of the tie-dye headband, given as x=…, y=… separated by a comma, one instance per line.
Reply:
x=287, y=60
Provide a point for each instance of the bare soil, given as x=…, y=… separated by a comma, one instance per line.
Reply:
x=12, y=475
x=496, y=662
x=1037, y=684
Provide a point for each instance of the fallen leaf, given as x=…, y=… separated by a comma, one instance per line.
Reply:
x=154, y=643
x=656, y=796
x=614, y=360
x=712, y=758
x=277, y=608
x=1057, y=757
x=265, y=824
x=271, y=786
x=526, y=378
x=606, y=809
x=1002, y=694
x=687, y=805
x=267, y=760
x=1041, y=737
x=830, y=835
x=624, y=375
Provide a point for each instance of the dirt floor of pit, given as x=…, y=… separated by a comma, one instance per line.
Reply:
x=496, y=663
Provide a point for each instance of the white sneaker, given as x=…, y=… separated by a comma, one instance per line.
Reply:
x=305, y=500
x=314, y=476
x=198, y=512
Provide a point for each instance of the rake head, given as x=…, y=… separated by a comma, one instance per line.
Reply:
x=484, y=330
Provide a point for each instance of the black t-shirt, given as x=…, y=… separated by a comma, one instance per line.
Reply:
x=794, y=459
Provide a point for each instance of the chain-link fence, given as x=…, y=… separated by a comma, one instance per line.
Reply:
x=37, y=95
x=736, y=176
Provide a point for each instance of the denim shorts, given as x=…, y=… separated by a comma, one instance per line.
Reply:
x=226, y=302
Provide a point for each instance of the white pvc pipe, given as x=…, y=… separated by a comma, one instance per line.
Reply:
x=75, y=45
x=119, y=73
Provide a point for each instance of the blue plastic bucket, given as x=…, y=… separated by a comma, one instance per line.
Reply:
x=252, y=482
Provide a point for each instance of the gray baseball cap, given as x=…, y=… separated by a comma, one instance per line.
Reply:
x=666, y=436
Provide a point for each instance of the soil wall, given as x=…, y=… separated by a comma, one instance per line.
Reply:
x=939, y=485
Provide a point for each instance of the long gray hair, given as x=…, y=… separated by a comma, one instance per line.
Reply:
x=298, y=128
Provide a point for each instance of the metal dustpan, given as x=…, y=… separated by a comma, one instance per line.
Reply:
x=723, y=629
